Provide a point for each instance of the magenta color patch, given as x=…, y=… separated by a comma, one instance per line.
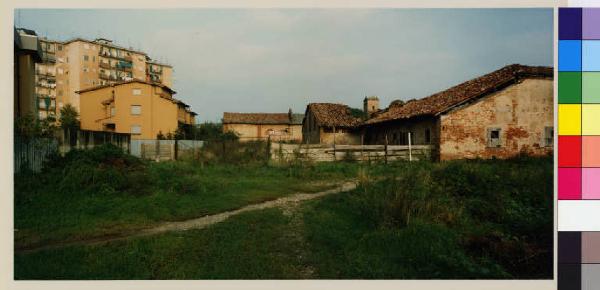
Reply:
x=569, y=183
x=590, y=188
x=591, y=23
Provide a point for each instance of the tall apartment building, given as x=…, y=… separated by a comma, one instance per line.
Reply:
x=79, y=64
x=45, y=79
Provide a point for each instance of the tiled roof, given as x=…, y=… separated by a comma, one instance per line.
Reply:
x=328, y=114
x=445, y=100
x=262, y=118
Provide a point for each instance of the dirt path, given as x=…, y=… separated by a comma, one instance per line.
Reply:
x=202, y=222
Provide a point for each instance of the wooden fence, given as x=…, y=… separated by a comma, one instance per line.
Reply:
x=32, y=153
x=281, y=152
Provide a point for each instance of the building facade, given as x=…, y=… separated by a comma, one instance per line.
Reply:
x=140, y=108
x=79, y=64
x=499, y=115
x=326, y=123
x=264, y=126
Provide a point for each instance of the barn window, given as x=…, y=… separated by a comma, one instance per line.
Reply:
x=427, y=136
x=493, y=137
x=548, y=136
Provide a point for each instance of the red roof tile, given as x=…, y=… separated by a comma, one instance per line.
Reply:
x=445, y=100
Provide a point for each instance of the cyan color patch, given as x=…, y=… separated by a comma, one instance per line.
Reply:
x=591, y=55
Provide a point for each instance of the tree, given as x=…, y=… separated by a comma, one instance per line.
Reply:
x=28, y=127
x=69, y=118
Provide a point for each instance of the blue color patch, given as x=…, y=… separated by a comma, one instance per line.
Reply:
x=569, y=55
x=591, y=55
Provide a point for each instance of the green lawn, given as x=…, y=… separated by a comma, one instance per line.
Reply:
x=462, y=219
x=78, y=199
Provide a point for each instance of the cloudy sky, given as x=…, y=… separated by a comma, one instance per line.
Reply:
x=269, y=60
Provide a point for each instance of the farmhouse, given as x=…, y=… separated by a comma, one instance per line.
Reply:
x=498, y=115
x=262, y=126
x=326, y=123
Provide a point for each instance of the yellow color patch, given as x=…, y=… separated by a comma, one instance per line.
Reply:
x=569, y=119
x=590, y=119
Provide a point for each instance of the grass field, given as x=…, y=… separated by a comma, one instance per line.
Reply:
x=451, y=220
x=104, y=192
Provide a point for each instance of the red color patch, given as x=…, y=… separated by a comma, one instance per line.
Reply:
x=569, y=151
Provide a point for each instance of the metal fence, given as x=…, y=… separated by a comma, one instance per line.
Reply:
x=32, y=153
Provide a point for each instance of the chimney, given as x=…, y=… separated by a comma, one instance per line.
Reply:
x=290, y=114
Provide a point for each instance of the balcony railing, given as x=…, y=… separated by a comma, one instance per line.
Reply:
x=108, y=77
x=105, y=65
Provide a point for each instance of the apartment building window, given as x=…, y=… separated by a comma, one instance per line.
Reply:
x=136, y=92
x=112, y=111
x=136, y=109
x=59, y=47
x=59, y=93
x=94, y=58
x=136, y=129
x=86, y=58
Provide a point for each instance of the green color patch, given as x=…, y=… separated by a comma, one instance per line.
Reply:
x=569, y=87
x=591, y=87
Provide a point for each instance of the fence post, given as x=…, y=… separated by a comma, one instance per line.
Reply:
x=409, y=148
x=176, y=149
x=334, y=157
x=362, y=145
x=268, y=147
x=385, y=149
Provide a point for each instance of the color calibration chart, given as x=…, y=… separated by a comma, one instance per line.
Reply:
x=578, y=148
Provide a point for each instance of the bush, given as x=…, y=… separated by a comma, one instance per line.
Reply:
x=105, y=169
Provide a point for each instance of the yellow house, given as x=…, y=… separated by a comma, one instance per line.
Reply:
x=141, y=108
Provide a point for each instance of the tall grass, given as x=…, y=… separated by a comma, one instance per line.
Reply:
x=494, y=215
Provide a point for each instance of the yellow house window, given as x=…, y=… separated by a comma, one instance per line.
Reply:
x=136, y=129
x=136, y=109
x=136, y=92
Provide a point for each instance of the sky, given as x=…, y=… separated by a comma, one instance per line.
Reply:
x=270, y=60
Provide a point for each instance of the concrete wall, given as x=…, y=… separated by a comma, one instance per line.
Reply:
x=158, y=114
x=322, y=153
x=25, y=99
x=345, y=137
x=522, y=112
x=248, y=132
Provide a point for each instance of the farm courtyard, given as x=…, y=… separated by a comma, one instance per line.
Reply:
x=103, y=214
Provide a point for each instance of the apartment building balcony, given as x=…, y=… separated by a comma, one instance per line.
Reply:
x=49, y=58
x=105, y=65
x=46, y=103
x=107, y=77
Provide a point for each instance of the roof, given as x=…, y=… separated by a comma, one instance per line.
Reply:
x=443, y=101
x=328, y=114
x=105, y=42
x=127, y=82
x=262, y=118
